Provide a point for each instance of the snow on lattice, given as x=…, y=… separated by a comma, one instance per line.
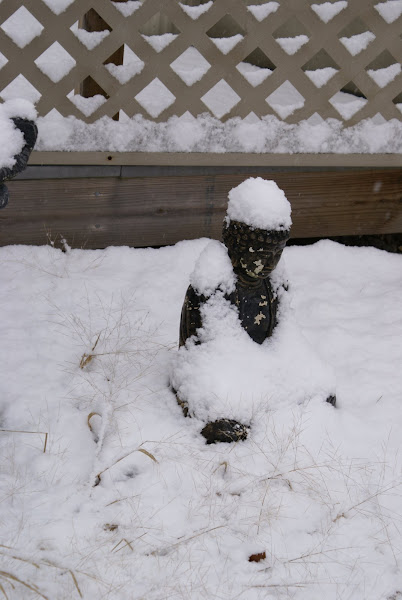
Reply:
x=55, y=62
x=261, y=11
x=221, y=99
x=321, y=76
x=155, y=98
x=390, y=11
x=58, y=6
x=261, y=204
x=20, y=88
x=357, y=43
x=90, y=39
x=347, y=104
x=285, y=100
x=22, y=27
x=196, y=11
x=226, y=44
x=132, y=65
x=160, y=42
x=3, y=60
x=254, y=75
x=127, y=8
x=291, y=45
x=190, y=66
x=383, y=77
x=329, y=10
x=87, y=105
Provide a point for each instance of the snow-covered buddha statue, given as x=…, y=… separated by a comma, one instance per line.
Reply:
x=226, y=367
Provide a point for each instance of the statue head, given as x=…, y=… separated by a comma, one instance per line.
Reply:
x=256, y=228
x=254, y=252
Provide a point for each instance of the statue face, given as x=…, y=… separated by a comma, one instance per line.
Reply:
x=259, y=261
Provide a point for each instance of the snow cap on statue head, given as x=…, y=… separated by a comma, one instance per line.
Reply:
x=260, y=204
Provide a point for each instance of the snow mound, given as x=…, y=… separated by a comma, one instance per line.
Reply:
x=261, y=204
x=12, y=140
x=228, y=375
x=213, y=271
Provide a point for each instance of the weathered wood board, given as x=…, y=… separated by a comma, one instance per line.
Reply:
x=158, y=210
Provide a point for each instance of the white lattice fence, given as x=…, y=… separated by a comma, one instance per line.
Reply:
x=232, y=60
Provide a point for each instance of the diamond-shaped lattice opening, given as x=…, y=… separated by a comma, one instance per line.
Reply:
x=383, y=69
x=124, y=64
x=291, y=36
x=260, y=9
x=256, y=67
x=326, y=11
x=91, y=98
x=355, y=37
x=20, y=88
x=390, y=11
x=285, y=100
x=55, y=62
x=127, y=7
x=194, y=9
x=59, y=6
x=155, y=98
x=3, y=60
x=159, y=32
x=220, y=99
x=398, y=102
x=22, y=27
x=321, y=68
x=190, y=66
x=94, y=29
x=226, y=34
x=348, y=101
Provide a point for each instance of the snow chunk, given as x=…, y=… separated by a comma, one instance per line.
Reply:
x=58, y=6
x=20, y=87
x=155, y=98
x=357, y=43
x=3, y=60
x=254, y=75
x=127, y=8
x=22, y=27
x=383, y=77
x=390, y=11
x=347, y=104
x=321, y=76
x=213, y=271
x=261, y=11
x=87, y=105
x=226, y=44
x=285, y=100
x=90, y=39
x=132, y=65
x=291, y=45
x=55, y=62
x=196, y=11
x=160, y=42
x=190, y=66
x=220, y=99
x=329, y=10
x=261, y=204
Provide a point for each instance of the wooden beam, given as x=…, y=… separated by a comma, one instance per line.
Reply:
x=154, y=211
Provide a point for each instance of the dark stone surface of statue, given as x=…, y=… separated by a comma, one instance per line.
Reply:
x=30, y=133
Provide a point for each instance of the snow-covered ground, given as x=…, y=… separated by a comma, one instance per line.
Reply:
x=107, y=491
